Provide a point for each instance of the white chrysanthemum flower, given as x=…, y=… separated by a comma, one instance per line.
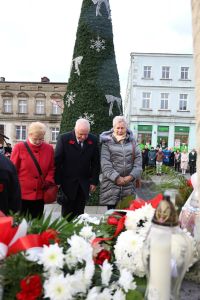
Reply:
x=85, y=219
x=78, y=282
x=105, y=295
x=89, y=270
x=139, y=220
x=52, y=272
x=33, y=254
x=96, y=293
x=87, y=233
x=126, y=280
x=57, y=288
x=81, y=280
x=52, y=257
x=70, y=260
x=106, y=272
x=119, y=295
x=93, y=293
x=131, y=220
x=128, y=252
x=80, y=250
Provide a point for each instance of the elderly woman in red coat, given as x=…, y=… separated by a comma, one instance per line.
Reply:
x=32, y=185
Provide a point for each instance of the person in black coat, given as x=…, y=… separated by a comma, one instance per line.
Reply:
x=192, y=161
x=77, y=164
x=10, y=193
x=145, y=157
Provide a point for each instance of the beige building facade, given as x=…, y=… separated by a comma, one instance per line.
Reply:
x=22, y=103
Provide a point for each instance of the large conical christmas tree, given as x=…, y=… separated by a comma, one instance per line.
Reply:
x=93, y=90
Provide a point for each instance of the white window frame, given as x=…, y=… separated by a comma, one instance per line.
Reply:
x=39, y=107
x=184, y=73
x=147, y=72
x=7, y=106
x=164, y=101
x=54, y=133
x=56, y=110
x=146, y=97
x=183, y=100
x=22, y=106
x=20, y=132
x=165, y=72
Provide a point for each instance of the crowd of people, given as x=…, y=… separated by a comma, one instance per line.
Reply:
x=74, y=166
x=77, y=165
x=181, y=161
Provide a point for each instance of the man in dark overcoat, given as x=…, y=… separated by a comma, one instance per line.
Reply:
x=10, y=193
x=77, y=164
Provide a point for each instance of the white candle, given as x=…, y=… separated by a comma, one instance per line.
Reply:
x=160, y=267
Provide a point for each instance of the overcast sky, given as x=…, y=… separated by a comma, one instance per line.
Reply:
x=38, y=36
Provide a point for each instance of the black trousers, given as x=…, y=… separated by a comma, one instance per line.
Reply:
x=32, y=208
x=192, y=167
x=177, y=166
x=111, y=207
x=74, y=207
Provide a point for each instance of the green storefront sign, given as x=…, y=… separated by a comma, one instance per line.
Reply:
x=163, y=128
x=147, y=128
x=182, y=129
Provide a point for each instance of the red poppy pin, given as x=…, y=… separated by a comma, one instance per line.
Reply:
x=1, y=187
x=71, y=142
x=90, y=142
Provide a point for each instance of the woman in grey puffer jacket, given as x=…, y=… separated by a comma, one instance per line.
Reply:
x=121, y=163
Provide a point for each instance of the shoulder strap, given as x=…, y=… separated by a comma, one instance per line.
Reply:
x=133, y=148
x=33, y=158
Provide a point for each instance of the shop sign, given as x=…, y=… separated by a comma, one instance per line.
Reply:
x=147, y=128
x=163, y=128
x=182, y=129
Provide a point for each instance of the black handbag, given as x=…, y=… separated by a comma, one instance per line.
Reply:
x=61, y=197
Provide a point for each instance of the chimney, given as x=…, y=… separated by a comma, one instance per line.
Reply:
x=2, y=79
x=45, y=79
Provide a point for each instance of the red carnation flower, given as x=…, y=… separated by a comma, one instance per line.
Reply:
x=90, y=142
x=50, y=235
x=101, y=256
x=189, y=183
x=31, y=288
x=71, y=142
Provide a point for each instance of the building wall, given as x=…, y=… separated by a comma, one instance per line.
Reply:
x=30, y=94
x=176, y=119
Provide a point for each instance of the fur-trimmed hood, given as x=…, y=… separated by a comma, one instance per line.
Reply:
x=107, y=135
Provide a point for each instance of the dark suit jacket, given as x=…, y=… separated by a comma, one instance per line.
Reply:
x=10, y=193
x=75, y=165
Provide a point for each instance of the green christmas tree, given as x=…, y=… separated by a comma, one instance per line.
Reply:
x=93, y=90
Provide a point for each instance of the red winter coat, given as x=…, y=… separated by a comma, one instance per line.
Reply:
x=29, y=178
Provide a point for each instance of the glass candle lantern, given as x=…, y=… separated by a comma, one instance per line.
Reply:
x=168, y=252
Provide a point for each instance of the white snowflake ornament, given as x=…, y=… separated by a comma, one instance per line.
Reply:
x=70, y=99
x=98, y=44
x=89, y=117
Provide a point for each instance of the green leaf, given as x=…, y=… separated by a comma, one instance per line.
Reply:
x=134, y=295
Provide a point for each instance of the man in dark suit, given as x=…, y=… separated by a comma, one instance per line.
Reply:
x=10, y=193
x=77, y=167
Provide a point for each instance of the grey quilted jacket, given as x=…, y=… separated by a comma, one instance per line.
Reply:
x=118, y=160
